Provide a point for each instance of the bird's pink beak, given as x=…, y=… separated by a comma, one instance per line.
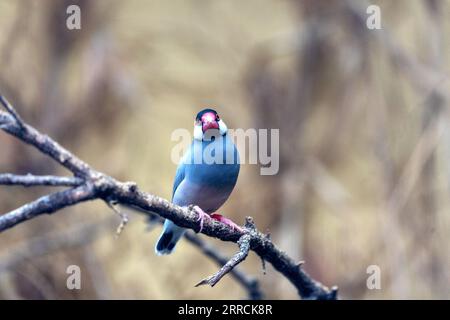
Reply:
x=209, y=122
x=210, y=125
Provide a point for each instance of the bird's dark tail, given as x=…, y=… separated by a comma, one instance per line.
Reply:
x=169, y=238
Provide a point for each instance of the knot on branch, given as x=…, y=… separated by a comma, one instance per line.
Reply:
x=300, y=263
x=132, y=186
x=103, y=184
x=250, y=224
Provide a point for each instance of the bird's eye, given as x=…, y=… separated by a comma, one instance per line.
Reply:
x=217, y=117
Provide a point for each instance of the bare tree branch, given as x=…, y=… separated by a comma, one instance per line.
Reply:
x=100, y=186
x=47, y=204
x=250, y=284
x=30, y=180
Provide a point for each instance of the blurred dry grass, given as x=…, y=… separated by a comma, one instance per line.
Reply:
x=364, y=174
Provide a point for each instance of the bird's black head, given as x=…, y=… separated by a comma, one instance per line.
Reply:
x=204, y=112
x=208, y=119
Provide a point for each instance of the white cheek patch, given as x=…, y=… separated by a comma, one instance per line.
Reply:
x=198, y=132
x=222, y=127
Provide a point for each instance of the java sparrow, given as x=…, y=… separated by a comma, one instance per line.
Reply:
x=205, y=177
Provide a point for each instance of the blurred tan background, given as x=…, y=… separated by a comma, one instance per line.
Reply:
x=364, y=151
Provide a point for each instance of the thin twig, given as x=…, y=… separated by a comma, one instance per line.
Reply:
x=11, y=111
x=30, y=180
x=123, y=217
x=244, y=249
x=250, y=284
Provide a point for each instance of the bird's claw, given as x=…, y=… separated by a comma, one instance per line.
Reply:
x=201, y=216
x=226, y=221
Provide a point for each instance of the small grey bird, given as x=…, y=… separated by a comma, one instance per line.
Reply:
x=205, y=176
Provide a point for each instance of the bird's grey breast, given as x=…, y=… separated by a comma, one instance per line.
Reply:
x=208, y=183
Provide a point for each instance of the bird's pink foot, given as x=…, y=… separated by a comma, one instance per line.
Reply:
x=226, y=221
x=201, y=216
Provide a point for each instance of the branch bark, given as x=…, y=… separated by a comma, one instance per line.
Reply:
x=47, y=204
x=97, y=185
x=30, y=180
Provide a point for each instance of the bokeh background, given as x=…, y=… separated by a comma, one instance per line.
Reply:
x=364, y=139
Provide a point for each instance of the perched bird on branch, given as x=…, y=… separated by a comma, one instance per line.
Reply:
x=205, y=177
